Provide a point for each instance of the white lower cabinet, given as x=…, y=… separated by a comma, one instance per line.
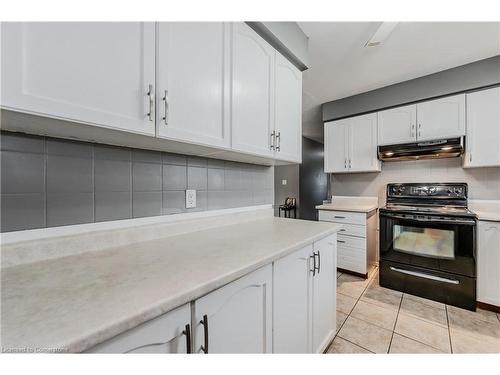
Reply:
x=169, y=333
x=236, y=318
x=304, y=299
x=488, y=260
x=293, y=302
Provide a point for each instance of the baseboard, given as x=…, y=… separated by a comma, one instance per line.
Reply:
x=363, y=275
x=487, y=306
x=326, y=343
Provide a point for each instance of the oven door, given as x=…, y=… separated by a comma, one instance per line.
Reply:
x=437, y=243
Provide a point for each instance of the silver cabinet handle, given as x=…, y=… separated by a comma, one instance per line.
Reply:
x=412, y=133
x=278, y=138
x=165, y=100
x=319, y=261
x=345, y=163
x=419, y=127
x=314, y=264
x=273, y=138
x=349, y=163
x=151, y=95
x=425, y=276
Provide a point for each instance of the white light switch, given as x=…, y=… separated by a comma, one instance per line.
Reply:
x=190, y=198
x=283, y=182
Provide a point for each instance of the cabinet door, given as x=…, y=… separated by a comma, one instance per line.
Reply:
x=488, y=277
x=441, y=118
x=288, y=110
x=363, y=144
x=397, y=125
x=252, y=106
x=336, y=141
x=324, y=293
x=92, y=72
x=483, y=129
x=292, y=285
x=165, y=334
x=238, y=316
x=193, y=82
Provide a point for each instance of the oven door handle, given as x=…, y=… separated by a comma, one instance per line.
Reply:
x=425, y=276
x=430, y=220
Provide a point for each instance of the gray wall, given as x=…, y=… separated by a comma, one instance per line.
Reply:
x=291, y=189
x=48, y=182
x=288, y=38
x=471, y=76
x=484, y=183
x=313, y=182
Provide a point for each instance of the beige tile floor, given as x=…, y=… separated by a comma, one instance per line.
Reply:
x=373, y=319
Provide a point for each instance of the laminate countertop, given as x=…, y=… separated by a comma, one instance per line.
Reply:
x=488, y=210
x=72, y=303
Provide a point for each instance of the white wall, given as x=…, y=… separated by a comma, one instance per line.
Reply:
x=484, y=183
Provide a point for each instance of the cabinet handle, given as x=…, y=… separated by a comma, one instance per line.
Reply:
x=470, y=157
x=340, y=241
x=278, y=138
x=349, y=163
x=412, y=134
x=273, y=137
x=345, y=163
x=204, y=322
x=151, y=95
x=165, y=100
x=319, y=261
x=314, y=264
x=339, y=217
x=187, y=332
x=341, y=230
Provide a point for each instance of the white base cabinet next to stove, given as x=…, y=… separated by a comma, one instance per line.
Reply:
x=356, y=241
x=488, y=262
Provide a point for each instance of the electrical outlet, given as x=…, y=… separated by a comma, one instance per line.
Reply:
x=190, y=198
x=283, y=182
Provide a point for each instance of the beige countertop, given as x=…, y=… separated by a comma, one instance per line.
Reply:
x=77, y=301
x=352, y=204
x=485, y=209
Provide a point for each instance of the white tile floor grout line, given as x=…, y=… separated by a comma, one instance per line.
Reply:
x=449, y=329
x=395, y=322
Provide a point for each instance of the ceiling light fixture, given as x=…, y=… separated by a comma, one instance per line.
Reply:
x=382, y=33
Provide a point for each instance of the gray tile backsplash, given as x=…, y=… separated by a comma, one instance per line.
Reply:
x=484, y=183
x=49, y=182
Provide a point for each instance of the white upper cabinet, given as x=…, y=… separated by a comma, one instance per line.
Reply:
x=351, y=145
x=488, y=277
x=193, y=78
x=236, y=318
x=483, y=129
x=252, y=106
x=288, y=110
x=397, y=125
x=98, y=73
x=363, y=144
x=441, y=118
x=336, y=146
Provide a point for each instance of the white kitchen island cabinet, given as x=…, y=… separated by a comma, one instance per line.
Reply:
x=236, y=318
x=488, y=259
x=97, y=73
x=168, y=333
x=193, y=82
x=304, y=299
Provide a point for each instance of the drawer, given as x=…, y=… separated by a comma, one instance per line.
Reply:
x=350, y=241
x=353, y=230
x=343, y=217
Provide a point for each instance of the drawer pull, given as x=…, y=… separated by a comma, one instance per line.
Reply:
x=314, y=264
x=341, y=230
x=425, y=276
x=319, y=261
x=339, y=217
x=340, y=241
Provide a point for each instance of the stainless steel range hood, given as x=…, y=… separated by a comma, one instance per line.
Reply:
x=443, y=148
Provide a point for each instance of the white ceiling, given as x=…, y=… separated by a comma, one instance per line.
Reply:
x=341, y=66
